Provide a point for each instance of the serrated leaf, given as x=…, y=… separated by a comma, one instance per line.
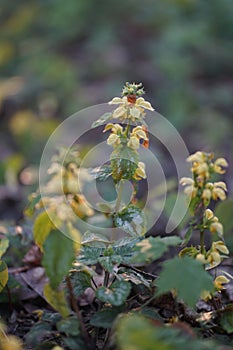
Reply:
x=3, y=275
x=124, y=162
x=56, y=298
x=105, y=318
x=70, y=326
x=58, y=257
x=116, y=294
x=42, y=226
x=108, y=262
x=102, y=119
x=89, y=255
x=131, y=220
x=187, y=277
x=153, y=248
x=4, y=244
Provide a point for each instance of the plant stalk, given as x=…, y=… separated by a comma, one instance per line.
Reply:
x=75, y=307
x=202, y=241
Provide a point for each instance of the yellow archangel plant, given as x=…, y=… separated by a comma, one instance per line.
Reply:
x=201, y=190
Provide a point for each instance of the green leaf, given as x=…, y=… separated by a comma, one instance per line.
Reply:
x=56, y=298
x=132, y=220
x=226, y=320
x=58, y=257
x=74, y=343
x=187, y=277
x=124, y=162
x=70, y=326
x=89, y=255
x=4, y=244
x=116, y=294
x=80, y=281
x=105, y=317
x=108, y=262
x=153, y=248
x=38, y=333
x=102, y=119
x=42, y=226
x=3, y=275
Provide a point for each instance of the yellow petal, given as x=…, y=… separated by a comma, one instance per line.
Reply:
x=217, y=192
x=109, y=126
x=135, y=112
x=116, y=101
x=216, y=227
x=133, y=142
x=186, y=181
x=220, y=246
x=206, y=194
x=209, y=214
x=221, y=184
x=113, y=139
x=119, y=112
x=144, y=104
x=221, y=162
x=196, y=157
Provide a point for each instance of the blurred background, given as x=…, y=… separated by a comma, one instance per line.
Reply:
x=57, y=57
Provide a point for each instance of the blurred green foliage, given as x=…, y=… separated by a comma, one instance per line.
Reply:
x=57, y=57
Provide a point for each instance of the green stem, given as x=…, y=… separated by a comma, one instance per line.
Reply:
x=106, y=279
x=119, y=196
x=202, y=241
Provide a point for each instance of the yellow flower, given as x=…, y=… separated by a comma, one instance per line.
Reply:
x=216, y=227
x=196, y=157
x=219, y=281
x=206, y=194
x=115, y=128
x=214, y=258
x=128, y=110
x=113, y=140
x=220, y=246
x=186, y=181
x=219, y=164
x=190, y=190
x=217, y=190
x=140, y=171
x=209, y=214
x=135, y=136
x=133, y=142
